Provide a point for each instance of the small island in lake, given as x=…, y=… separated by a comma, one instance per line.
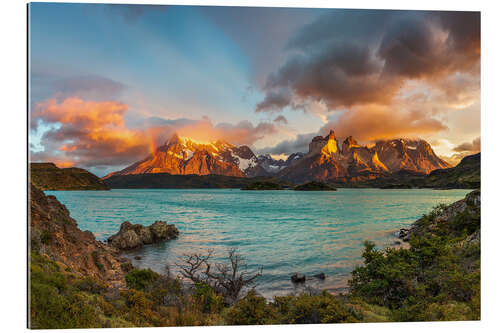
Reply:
x=262, y=186
x=314, y=186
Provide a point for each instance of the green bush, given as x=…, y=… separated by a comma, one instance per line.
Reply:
x=53, y=301
x=437, y=278
x=140, y=278
x=251, y=310
x=315, y=309
x=208, y=301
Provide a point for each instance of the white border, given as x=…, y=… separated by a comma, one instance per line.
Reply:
x=13, y=162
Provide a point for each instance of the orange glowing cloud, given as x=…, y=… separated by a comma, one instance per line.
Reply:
x=94, y=133
x=90, y=131
x=374, y=122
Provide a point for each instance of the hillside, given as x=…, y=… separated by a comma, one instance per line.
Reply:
x=48, y=177
x=466, y=175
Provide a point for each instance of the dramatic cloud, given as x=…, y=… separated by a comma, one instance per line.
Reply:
x=474, y=146
x=369, y=123
x=274, y=101
x=95, y=134
x=393, y=71
x=88, y=132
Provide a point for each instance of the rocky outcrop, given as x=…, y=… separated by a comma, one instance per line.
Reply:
x=133, y=236
x=468, y=210
x=55, y=234
x=48, y=177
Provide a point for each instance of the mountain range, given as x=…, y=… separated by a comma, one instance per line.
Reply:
x=327, y=160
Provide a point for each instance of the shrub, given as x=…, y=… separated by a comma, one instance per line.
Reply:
x=205, y=297
x=312, y=309
x=140, y=278
x=251, y=310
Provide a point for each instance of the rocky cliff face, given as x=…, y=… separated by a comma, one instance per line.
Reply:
x=185, y=156
x=325, y=161
x=55, y=234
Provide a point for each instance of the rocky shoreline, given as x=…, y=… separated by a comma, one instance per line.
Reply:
x=470, y=205
x=56, y=235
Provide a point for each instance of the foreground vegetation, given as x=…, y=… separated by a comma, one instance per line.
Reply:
x=436, y=278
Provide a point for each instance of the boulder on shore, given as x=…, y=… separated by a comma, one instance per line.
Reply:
x=133, y=236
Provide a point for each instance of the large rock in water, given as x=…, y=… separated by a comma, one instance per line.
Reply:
x=132, y=236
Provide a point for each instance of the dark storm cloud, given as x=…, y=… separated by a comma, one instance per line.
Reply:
x=274, y=101
x=349, y=58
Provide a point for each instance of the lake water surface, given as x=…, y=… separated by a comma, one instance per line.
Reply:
x=282, y=231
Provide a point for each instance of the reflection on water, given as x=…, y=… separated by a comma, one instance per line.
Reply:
x=283, y=231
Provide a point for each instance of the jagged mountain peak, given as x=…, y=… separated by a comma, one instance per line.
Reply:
x=324, y=160
x=326, y=145
x=349, y=143
x=182, y=155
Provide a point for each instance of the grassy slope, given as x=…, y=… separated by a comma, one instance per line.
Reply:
x=467, y=175
x=47, y=176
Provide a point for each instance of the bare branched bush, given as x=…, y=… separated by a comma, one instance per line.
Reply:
x=227, y=279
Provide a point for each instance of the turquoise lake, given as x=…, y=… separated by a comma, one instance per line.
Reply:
x=282, y=231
